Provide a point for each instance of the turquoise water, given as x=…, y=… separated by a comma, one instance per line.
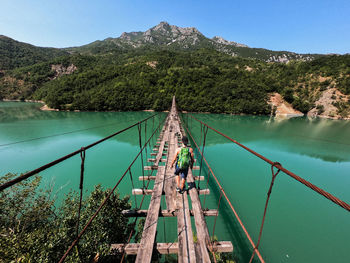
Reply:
x=301, y=226
x=104, y=163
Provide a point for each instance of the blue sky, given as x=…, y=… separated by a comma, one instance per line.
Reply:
x=307, y=26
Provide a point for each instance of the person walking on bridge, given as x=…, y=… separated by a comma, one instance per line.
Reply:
x=184, y=159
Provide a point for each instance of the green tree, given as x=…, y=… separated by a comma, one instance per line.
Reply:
x=33, y=230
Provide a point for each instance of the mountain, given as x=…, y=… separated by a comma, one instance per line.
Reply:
x=14, y=54
x=170, y=37
x=143, y=70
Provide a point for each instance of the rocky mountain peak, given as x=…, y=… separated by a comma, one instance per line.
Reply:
x=166, y=35
x=162, y=26
x=223, y=41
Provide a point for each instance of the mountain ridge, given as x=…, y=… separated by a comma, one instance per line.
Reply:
x=143, y=70
x=172, y=37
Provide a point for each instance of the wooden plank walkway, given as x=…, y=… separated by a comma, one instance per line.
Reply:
x=176, y=205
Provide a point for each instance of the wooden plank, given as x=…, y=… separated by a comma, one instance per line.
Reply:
x=145, y=250
x=167, y=248
x=155, y=154
x=186, y=251
x=198, y=253
x=197, y=178
x=146, y=178
x=144, y=253
x=164, y=213
x=170, y=184
x=140, y=191
x=201, y=226
x=151, y=167
x=154, y=160
x=204, y=191
x=132, y=248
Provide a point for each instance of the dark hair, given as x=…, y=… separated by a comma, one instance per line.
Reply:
x=185, y=140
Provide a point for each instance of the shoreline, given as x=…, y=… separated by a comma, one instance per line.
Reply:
x=277, y=116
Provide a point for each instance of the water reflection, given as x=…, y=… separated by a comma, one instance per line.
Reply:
x=24, y=121
x=328, y=140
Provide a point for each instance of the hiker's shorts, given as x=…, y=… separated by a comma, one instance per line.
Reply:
x=182, y=172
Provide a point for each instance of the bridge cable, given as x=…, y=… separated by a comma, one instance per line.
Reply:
x=296, y=177
x=58, y=134
x=132, y=185
x=82, y=156
x=143, y=168
x=48, y=165
x=134, y=223
x=104, y=201
x=274, y=174
x=205, y=129
x=226, y=197
x=146, y=145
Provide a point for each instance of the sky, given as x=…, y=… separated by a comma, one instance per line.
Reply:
x=302, y=26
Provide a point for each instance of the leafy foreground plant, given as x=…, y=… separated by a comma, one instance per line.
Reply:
x=32, y=229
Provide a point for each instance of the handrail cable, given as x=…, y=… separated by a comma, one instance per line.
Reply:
x=106, y=199
x=226, y=197
x=58, y=134
x=278, y=166
x=48, y=165
x=274, y=174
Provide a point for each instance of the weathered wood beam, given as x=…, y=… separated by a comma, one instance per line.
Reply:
x=140, y=191
x=164, y=213
x=166, y=248
x=145, y=250
x=201, y=225
x=153, y=167
x=150, y=177
x=146, y=178
x=155, y=154
x=186, y=251
x=154, y=160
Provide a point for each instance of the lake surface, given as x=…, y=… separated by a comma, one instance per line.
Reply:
x=300, y=226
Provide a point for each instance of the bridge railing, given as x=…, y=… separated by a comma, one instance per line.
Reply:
x=189, y=120
x=220, y=195
x=146, y=140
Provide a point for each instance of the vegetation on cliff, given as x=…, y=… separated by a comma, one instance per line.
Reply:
x=14, y=54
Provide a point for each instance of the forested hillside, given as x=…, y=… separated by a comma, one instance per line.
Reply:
x=204, y=80
x=14, y=54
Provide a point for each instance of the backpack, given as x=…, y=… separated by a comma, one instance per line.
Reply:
x=184, y=158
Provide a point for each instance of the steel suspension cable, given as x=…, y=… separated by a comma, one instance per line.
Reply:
x=291, y=174
x=48, y=165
